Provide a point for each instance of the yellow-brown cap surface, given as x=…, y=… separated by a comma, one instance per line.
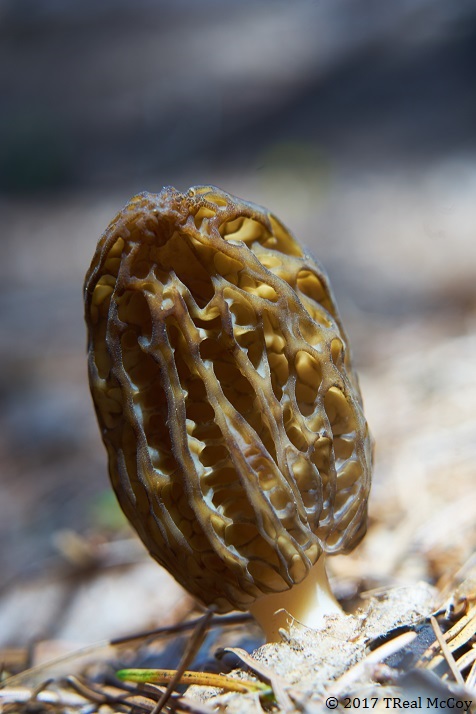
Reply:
x=225, y=395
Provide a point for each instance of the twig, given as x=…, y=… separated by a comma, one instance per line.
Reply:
x=205, y=679
x=190, y=652
x=282, y=697
x=27, y=674
x=102, y=696
x=446, y=651
x=455, y=637
x=180, y=701
x=471, y=679
x=217, y=621
x=465, y=633
x=23, y=695
x=467, y=659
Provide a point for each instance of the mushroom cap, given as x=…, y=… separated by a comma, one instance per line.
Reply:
x=225, y=395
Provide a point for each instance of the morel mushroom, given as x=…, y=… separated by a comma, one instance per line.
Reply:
x=227, y=402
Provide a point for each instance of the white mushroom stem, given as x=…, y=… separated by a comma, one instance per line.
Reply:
x=307, y=602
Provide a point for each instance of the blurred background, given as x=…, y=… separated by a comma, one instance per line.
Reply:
x=354, y=121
